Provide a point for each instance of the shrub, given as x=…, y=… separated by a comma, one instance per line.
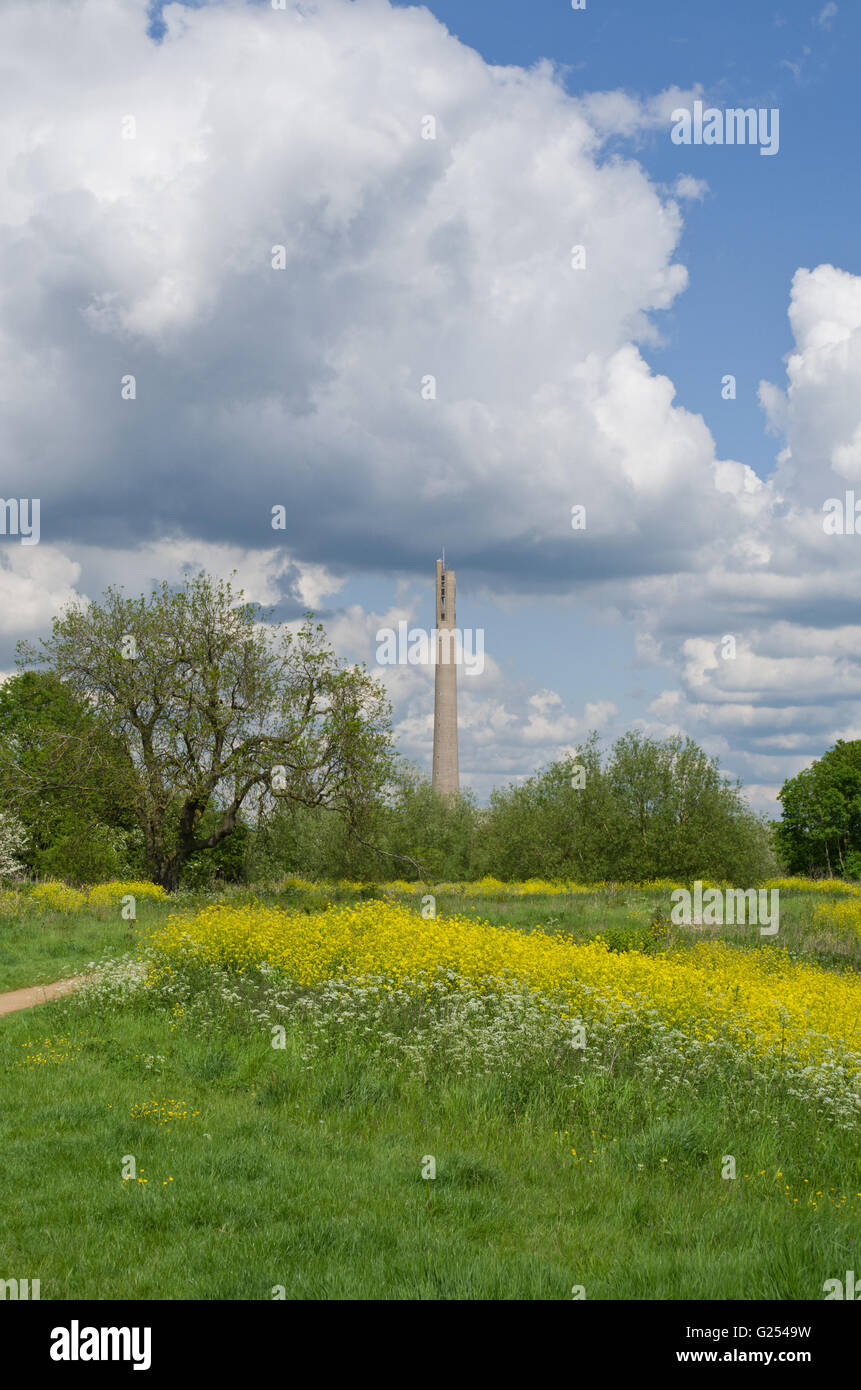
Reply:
x=13, y=842
x=89, y=853
x=58, y=897
x=111, y=894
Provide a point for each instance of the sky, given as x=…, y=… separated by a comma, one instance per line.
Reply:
x=427, y=361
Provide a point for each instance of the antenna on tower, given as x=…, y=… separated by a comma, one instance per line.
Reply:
x=443, y=557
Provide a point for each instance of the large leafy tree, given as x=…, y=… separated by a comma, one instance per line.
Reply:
x=820, y=832
x=219, y=710
x=65, y=776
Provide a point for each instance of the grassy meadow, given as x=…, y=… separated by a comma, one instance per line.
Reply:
x=326, y=1094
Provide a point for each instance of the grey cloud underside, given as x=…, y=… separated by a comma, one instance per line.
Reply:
x=228, y=422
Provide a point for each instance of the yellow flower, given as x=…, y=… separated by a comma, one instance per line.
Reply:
x=58, y=897
x=111, y=893
x=763, y=1003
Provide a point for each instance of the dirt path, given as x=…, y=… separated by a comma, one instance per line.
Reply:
x=37, y=994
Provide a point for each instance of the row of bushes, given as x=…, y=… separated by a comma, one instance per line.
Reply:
x=54, y=896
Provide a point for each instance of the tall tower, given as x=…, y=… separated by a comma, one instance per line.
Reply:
x=445, y=768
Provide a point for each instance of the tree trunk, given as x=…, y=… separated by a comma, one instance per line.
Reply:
x=166, y=872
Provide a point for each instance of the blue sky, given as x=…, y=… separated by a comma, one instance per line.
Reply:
x=150, y=253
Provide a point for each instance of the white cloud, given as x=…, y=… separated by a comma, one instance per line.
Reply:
x=35, y=583
x=686, y=186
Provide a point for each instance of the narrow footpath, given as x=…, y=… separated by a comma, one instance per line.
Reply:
x=38, y=994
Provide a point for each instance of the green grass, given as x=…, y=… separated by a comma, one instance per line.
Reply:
x=308, y=1174
x=38, y=950
x=310, y=1177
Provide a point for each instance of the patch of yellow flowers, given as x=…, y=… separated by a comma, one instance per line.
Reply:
x=836, y=887
x=112, y=893
x=163, y=1111
x=488, y=887
x=845, y=916
x=59, y=897
x=52, y=1051
x=761, y=1001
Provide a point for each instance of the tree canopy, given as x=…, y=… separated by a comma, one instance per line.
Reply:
x=643, y=809
x=215, y=710
x=66, y=777
x=649, y=808
x=820, y=832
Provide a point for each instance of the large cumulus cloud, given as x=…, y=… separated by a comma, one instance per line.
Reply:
x=405, y=258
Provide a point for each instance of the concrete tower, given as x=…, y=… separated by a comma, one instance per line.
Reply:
x=445, y=769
